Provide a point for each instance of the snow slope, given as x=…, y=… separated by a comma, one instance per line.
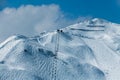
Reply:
x=88, y=50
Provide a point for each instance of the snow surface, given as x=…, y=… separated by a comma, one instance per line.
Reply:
x=89, y=50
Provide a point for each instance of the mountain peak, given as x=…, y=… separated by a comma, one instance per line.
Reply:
x=90, y=23
x=96, y=21
x=90, y=48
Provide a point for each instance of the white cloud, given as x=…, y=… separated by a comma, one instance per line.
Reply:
x=30, y=20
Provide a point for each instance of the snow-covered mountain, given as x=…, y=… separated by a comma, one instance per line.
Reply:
x=89, y=50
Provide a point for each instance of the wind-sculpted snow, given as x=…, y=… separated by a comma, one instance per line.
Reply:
x=27, y=59
x=88, y=50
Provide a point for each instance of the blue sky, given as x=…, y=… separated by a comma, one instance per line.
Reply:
x=107, y=9
x=30, y=17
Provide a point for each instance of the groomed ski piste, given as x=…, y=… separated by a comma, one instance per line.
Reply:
x=88, y=50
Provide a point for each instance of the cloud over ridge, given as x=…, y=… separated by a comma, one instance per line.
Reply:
x=29, y=20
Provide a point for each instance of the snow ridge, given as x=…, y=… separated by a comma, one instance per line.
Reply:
x=89, y=50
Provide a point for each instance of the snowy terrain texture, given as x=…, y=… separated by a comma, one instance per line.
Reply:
x=88, y=50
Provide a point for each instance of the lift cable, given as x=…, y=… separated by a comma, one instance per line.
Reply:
x=54, y=72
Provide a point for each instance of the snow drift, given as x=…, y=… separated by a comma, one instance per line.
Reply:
x=89, y=50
